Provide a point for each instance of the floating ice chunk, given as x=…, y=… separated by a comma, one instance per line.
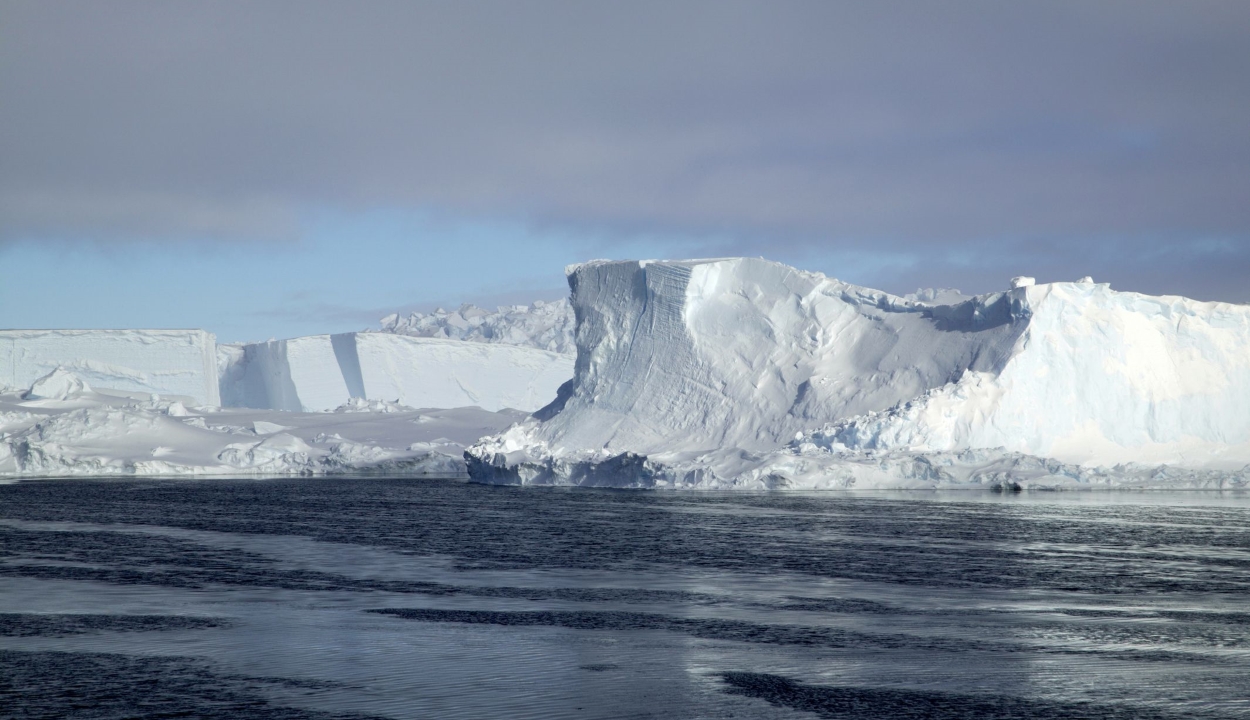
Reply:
x=1087, y=280
x=279, y=453
x=1022, y=281
x=95, y=434
x=267, y=428
x=60, y=384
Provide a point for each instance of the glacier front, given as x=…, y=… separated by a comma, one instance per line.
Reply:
x=744, y=372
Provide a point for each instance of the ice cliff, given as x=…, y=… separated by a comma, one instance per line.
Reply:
x=322, y=372
x=746, y=372
x=167, y=362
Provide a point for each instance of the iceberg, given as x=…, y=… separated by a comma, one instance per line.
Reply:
x=747, y=373
x=304, y=374
x=320, y=373
x=543, y=325
x=176, y=363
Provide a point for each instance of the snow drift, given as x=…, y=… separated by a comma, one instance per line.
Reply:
x=747, y=372
x=61, y=427
x=322, y=372
x=166, y=362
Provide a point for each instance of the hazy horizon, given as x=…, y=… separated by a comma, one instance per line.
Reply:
x=279, y=168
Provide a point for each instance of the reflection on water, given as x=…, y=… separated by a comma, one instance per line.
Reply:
x=325, y=598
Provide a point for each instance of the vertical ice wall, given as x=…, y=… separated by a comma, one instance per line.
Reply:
x=705, y=366
x=430, y=372
x=322, y=372
x=167, y=362
x=301, y=375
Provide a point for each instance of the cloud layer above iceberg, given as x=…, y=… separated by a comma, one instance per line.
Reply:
x=959, y=140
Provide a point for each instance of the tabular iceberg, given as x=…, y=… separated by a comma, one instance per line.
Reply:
x=322, y=372
x=744, y=372
x=167, y=362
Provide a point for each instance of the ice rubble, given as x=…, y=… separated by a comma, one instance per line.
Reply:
x=322, y=372
x=748, y=373
x=543, y=325
x=167, y=362
x=61, y=427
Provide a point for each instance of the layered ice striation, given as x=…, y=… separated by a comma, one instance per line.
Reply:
x=166, y=362
x=323, y=372
x=732, y=372
x=543, y=325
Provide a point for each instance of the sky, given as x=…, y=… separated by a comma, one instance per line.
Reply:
x=272, y=169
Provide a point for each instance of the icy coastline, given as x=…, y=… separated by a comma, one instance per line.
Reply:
x=709, y=374
x=747, y=373
x=61, y=427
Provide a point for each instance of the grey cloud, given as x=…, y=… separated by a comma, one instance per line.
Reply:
x=925, y=128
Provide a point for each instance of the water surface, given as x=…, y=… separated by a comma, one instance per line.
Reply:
x=322, y=598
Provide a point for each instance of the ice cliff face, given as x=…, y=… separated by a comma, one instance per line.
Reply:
x=167, y=362
x=542, y=325
x=321, y=372
x=746, y=371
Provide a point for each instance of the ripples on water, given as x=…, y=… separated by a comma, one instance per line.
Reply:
x=321, y=598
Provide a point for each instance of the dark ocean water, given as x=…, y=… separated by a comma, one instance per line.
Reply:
x=317, y=598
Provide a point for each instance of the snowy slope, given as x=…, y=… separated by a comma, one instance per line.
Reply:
x=61, y=427
x=745, y=371
x=322, y=372
x=1097, y=377
x=167, y=362
x=543, y=325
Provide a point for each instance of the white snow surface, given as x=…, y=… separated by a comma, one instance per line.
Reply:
x=748, y=373
x=60, y=384
x=60, y=427
x=177, y=363
x=325, y=372
x=543, y=325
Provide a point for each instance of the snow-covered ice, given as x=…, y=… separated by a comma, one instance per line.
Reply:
x=304, y=374
x=542, y=325
x=706, y=373
x=61, y=427
x=167, y=362
x=428, y=372
x=744, y=372
x=322, y=372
